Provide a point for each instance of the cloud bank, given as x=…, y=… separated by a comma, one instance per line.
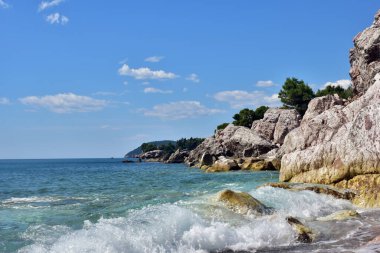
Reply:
x=145, y=73
x=65, y=103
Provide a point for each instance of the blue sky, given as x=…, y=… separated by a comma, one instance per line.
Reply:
x=96, y=79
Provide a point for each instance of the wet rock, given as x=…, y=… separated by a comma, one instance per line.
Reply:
x=304, y=234
x=367, y=188
x=276, y=124
x=322, y=189
x=223, y=164
x=242, y=202
x=178, y=157
x=340, y=215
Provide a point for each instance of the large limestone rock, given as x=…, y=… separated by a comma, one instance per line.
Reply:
x=178, y=157
x=337, y=142
x=230, y=142
x=276, y=124
x=242, y=202
x=365, y=57
x=340, y=215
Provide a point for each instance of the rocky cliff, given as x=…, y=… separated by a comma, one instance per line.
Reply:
x=338, y=142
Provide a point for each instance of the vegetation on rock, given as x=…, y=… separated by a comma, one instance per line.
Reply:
x=296, y=94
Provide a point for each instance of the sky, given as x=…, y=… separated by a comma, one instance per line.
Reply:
x=83, y=79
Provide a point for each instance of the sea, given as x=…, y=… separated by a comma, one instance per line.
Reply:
x=106, y=206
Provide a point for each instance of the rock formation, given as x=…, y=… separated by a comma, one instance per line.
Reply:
x=178, y=157
x=153, y=156
x=276, y=124
x=233, y=141
x=364, y=57
x=337, y=143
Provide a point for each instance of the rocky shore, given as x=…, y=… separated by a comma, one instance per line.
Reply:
x=336, y=142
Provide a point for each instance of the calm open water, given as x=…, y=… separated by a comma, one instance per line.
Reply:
x=103, y=205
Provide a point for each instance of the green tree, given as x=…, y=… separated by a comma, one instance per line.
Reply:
x=343, y=93
x=146, y=147
x=168, y=148
x=260, y=111
x=189, y=144
x=296, y=94
x=221, y=126
x=246, y=116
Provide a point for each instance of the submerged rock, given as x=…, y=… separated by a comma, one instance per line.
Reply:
x=340, y=215
x=304, y=234
x=322, y=189
x=242, y=202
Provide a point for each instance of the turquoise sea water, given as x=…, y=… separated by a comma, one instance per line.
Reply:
x=103, y=205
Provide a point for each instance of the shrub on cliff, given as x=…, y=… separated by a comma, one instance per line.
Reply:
x=189, y=144
x=343, y=93
x=146, y=147
x=246, y=116
x=296, y=94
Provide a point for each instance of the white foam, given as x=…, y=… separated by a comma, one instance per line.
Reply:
x=164, y=228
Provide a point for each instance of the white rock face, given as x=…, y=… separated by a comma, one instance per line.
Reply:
x=336, y=144
x=231, y=142
x=365, y=57
x=276, y=124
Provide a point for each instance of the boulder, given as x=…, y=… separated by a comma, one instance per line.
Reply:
x=178, y=157
x=230, y=142
x=242, y=202
x=304, y=234
x=340, y=215
x=223, y=165
x=256, y=164
x=207, y=159
x=339, y=142
x=276, y=124
x=365, y=57
x=154, y=154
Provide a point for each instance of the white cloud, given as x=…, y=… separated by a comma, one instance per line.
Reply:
x=65, y=103
x=57, y=18
x=155, y=90
x=154, y=59
x=193, y=77
x=180, y=110
x=342, y=83
x=48, y=4
x=145, y=73
x=4, y=101
x=268, y=83
x=3, y=4
x=239, y=98
x=110, y=127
